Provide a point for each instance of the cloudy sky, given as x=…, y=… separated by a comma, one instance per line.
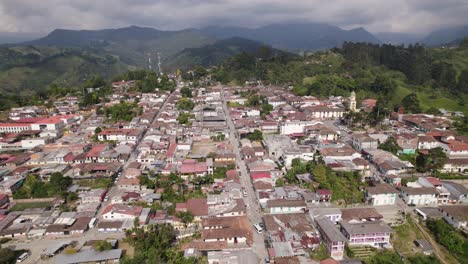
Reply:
x=409, y=16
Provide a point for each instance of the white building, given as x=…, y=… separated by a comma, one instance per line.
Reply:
x=455, y=215
x=295, y=127
x=381, y=194
x=419, y=196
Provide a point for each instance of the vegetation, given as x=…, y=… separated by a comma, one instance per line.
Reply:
x=320, y=253
x=156, y=244
x=345, y=186
x=24, y=206
x=447, y=236
x=33, y=187
x=9, y=256
x=385, y=257
x=123, y=111
x=423, y=259
x=185, y=104
x=390, y=145
x=186, y=92
x=102, y=245
x=257, y=135
x=103, y=183
x=184, y=118
x=433, y=161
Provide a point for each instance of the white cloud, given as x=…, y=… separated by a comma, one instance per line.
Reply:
x=411, y=16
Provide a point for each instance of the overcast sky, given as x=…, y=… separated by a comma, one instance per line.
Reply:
x=409, y=16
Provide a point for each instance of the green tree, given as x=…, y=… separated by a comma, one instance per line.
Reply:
x=423, y=259
x=183, y=118
x=447, y=236
x=411, y=103
x=102, y=245
x=390, y=145
x=433, y=161
x=185, y=104
x=186, y=92
x=383, y=84
x=279, y=182
x=319, y=174
x=257, y=135
x=385, y=257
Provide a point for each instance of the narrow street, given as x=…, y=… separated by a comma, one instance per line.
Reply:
x=253, y=209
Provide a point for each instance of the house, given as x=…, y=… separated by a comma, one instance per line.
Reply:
x=381, y=194
x=197, y=206
x=368, y=233
x=296, y=229
x=233, y=230
x=362, y=142
x=92, y=196
x=333, y=239
x=324, y=195
x=286, y=206
x=120, y=135
x=455, y=215
x=324, y=112
x=358, y=215
x=4, y=200
x=458, y=192
x=419, y=196
x=295, y=127
x=332, y=213
x=120, y=211
x=194, y=168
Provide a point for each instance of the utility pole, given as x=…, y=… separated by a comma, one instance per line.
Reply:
x=149, y=60
x=159, y=62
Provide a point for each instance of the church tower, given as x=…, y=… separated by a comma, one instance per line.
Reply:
x=352, y=102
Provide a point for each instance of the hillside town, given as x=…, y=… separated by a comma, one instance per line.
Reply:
x=240, y=174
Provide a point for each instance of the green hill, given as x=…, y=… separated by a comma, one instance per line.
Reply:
x=25, y=69
x=215, y=54
x=132, y=45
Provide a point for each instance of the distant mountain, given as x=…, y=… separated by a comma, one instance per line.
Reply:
x=15, y=37
x=216, y=53
x=398, y=38
x=131, y=44
x=443, y=36
x=295, y=37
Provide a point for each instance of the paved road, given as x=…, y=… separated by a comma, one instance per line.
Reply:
x=253, y=210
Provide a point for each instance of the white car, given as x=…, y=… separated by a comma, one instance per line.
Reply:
x=258, y=228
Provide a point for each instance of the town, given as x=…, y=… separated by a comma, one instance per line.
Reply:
x=229, y=174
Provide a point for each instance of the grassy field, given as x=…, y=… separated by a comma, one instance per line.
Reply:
x=404, y=237
x=23, y=206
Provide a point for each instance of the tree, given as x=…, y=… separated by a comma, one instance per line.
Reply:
x=186, y=217
x=446, y=236
x=102, y=246
x=422, y=259
x=383, y=84
x=185, y=104
x=279, y=182
x=183, y=118
x=97, y=130
x=433, y=161
x=385, y=257
x=411, y=103
x=186, y=92
x=257, y=135
x=390, y=145
x=319, y=174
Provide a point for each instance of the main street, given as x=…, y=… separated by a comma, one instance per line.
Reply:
x=253, y=207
